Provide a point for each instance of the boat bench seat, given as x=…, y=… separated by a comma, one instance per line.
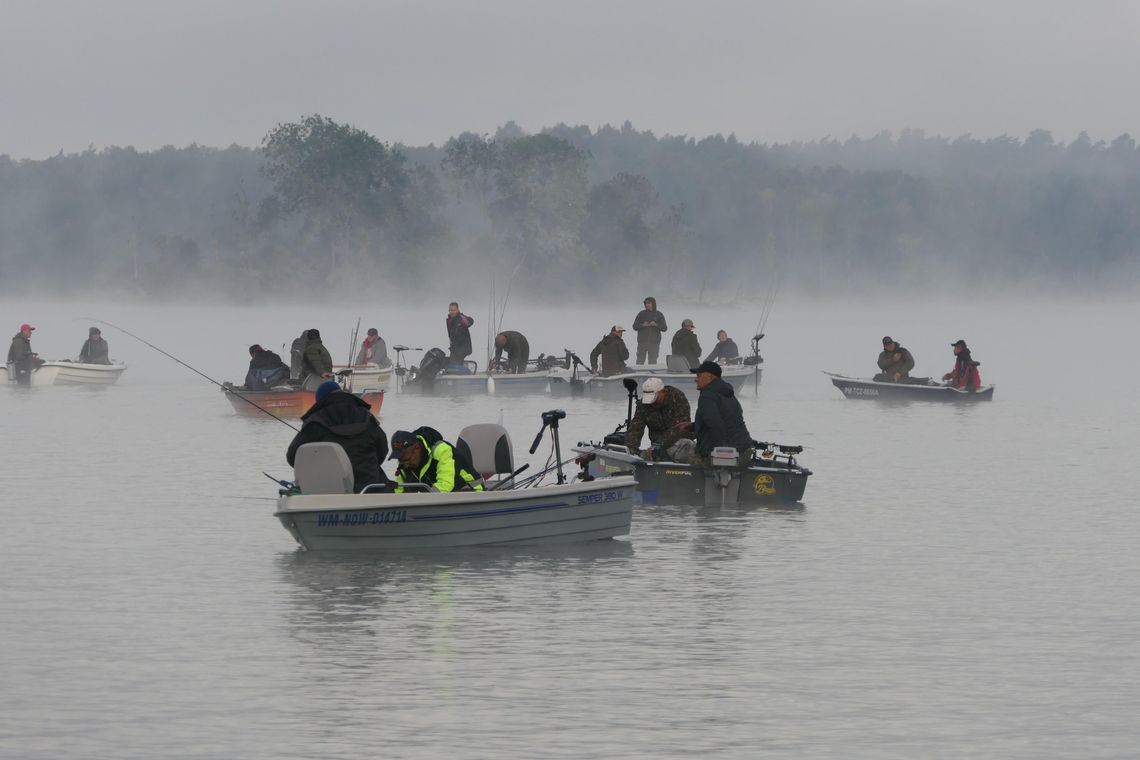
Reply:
x=322, y=468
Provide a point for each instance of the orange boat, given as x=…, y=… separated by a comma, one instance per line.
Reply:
x=285, y=402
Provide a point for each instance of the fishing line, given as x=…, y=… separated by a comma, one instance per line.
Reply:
x=187, y=366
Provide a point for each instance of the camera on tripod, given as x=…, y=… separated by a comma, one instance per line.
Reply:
x=549, y=418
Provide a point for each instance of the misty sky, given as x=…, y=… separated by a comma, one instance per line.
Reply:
x=149, y=73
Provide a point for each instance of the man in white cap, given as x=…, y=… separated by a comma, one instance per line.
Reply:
x=665, y=411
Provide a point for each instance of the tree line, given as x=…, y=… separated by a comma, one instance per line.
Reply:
x=322, y=205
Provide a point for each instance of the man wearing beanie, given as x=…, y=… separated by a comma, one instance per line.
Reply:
x=95, y=349
x=340, y=417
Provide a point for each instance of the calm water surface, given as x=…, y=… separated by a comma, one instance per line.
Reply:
x=959, y=582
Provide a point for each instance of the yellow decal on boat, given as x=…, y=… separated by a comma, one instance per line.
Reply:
x=678, y=472
x=764, y=485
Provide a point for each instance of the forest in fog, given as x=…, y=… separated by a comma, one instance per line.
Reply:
x=324, y=207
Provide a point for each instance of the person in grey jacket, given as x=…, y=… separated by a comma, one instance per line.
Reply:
x=95, y=349
x=895, y=362
x=21, y=355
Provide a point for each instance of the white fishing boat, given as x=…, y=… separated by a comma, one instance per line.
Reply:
x=321, y=511
x=65, y=372
x=363, y=377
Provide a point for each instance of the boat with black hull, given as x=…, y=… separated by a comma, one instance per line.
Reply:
x=918, y=389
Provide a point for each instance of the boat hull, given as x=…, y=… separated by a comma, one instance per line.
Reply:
x=291, y=402
x=498, y=383
x=364, y=377
x=564, y=383
x=567, y=513
x=860, y=388
x=679, y=484
x=73, y=373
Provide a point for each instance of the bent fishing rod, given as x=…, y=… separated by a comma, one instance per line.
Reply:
x=187, y=366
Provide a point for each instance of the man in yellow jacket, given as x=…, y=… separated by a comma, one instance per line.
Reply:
x=426, y=458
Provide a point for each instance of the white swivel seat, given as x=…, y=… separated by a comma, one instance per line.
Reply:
x=322, y=468
x=489, y=448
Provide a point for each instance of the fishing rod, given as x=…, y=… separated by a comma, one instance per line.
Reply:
x=352, y=344
x=187, y=366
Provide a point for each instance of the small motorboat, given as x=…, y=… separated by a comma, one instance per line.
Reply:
x=773, y=476
x=363, y=377
x=67, y=372
x=918, y=389
x=320, y=510
x=434, y=376
x=284, y=400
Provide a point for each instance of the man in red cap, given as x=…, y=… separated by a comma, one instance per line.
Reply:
x=21, y=356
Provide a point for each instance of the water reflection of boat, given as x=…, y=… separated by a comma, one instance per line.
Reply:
x=284, y=401
x=322, y=513
x=922, y=389
x=66, y=372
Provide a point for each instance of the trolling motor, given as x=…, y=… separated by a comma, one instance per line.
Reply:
x=550, y=419
x=754, y=361
x=400, y=370
x=572, y=363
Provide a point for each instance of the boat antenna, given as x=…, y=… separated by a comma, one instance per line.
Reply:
x=187, y=366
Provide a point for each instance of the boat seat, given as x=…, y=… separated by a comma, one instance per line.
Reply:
x=676, y=363
x=322, y=468
x=488, y=446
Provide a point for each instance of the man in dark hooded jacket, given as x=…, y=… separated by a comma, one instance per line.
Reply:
x=95, y=349
x=719, y=420
x=21, y=355
x=297, y=356
x=316, y=363
x=340, y=417
x=649, y=324
x=265, y=369
x=458, y=334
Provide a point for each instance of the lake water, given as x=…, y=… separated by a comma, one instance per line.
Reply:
x=961, y=581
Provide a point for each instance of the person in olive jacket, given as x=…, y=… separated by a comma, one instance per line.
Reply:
x=340, y=417
x=685, y=343
x=649, y=324
x=95, y=349
x=613, y=353
x=316, y=362
x=895, y=362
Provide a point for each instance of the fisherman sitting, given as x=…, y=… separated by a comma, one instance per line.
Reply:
x=895, y=362
x=965, y=373
x=265, y=369
x=428, y=459
x=95, y=349
x=719, y=420
x=664, y=410
x=340, y=417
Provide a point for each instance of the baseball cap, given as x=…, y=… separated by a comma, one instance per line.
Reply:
x=650, y=388
x=401, y=440
x=617, y=328
x=887, y=339
x=26, y=326
x=959, y=343
x=712, y=367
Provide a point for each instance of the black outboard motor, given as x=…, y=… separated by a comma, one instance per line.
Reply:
x=434, y=362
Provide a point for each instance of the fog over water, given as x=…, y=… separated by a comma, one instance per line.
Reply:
x=960, y=581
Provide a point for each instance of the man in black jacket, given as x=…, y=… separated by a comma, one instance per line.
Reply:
x=517, y=348
x=265, y=369
x=719, y=420
x=685, y=343
x=649, y=324
x=458, y=334
x=343, y=418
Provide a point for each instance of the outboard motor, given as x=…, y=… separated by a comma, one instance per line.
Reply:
x=434, y=361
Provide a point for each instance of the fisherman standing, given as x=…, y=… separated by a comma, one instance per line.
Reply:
x=297, y=356
x=613, y=353
x=649, y=324
x=685, y=343
x=664, y=410
x=95, y=349
x=316, y=362
x=21, y=355
x=458, y=334
x=517, y=349
x=895, y=362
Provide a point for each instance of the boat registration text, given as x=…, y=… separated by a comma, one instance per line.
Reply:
x=861, y=391
x=336, y=519
x=598, y=498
